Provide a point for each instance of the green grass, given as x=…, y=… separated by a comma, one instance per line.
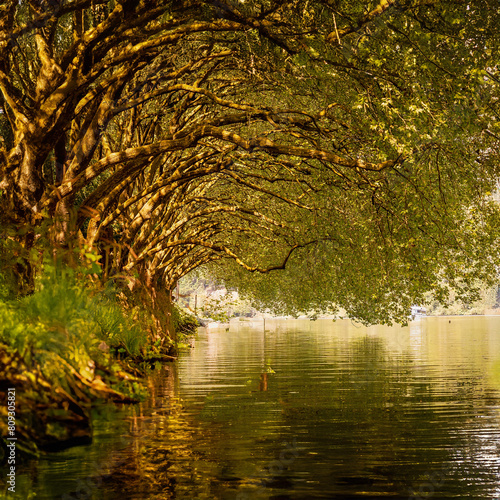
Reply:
x=69, y=316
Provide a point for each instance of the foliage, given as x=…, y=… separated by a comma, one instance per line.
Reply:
x=185, y=323
x=487, y=300
x=219, y=308
x=68, y=317
x=354, y=142
x=67, y=313
x=342, y=271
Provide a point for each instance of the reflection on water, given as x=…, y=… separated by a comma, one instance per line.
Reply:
x=305, y=410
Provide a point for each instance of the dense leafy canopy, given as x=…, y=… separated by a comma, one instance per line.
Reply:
x=353, y=142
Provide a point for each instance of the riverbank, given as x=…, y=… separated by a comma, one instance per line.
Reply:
x=74, y=343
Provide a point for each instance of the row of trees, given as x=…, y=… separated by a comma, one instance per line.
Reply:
x=354, y=143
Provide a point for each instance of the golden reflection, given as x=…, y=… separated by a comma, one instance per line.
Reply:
x=263, y=381
x=350, y=411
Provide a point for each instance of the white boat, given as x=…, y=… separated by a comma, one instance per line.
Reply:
x=417, y=312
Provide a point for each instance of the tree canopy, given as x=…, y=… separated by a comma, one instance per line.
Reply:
x=353, y=144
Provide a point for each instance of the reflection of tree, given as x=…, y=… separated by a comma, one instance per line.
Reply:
x=165, y=452
x=363, y=419
x=360, y=417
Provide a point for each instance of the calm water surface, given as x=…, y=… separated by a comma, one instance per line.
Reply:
x=304, y=410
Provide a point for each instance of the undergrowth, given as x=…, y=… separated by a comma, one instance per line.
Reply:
x=68, y=340
x=71, y=326
x=68, y=314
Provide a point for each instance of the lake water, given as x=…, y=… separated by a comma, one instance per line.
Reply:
x=304, y=410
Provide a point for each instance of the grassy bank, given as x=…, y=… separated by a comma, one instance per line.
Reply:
x=73, y=342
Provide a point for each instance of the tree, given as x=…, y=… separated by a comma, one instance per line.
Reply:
x=351, y=136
